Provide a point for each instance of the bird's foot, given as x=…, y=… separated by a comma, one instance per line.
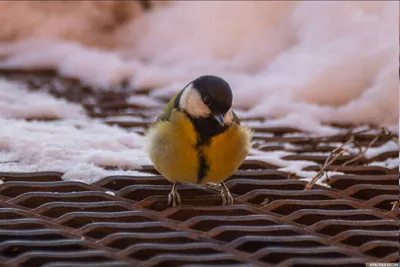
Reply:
x=227, y=198
x=173, y=197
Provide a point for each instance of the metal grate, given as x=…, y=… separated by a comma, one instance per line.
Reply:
x=124, y=221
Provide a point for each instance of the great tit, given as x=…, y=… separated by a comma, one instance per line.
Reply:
x=198, y=139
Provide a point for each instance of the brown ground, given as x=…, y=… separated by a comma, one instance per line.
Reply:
x=274, y=220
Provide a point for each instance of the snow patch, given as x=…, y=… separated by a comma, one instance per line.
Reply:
x=290, y=166
x=77, y=148
x=74, y=144
x=290, y=67
x=322, y=180
x=17, y=102
x=376, y=151
x=145, y=101
x=110, y=193
x=390, y=163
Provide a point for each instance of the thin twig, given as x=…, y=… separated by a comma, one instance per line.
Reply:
x=326, y=139
x=265, y=202
x=310, y=184
x=328, y=162
x=351, y=140
x=362, y=153
x=327, y=178
x=395, y=211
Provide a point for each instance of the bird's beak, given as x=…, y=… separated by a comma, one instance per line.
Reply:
x=220, y=118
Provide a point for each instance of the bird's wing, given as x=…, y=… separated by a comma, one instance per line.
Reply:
x=236, y=118
x=166, y=112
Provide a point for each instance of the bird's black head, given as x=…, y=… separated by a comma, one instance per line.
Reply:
x=215, y=93
x=208, y=97
x=207, y=101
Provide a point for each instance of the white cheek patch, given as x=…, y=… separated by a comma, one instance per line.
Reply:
x=192, y=103
x=228, y=117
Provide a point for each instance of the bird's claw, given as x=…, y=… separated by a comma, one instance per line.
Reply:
x=227, y=198
x=173, y=197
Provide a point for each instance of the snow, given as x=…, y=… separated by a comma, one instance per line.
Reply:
x=75, y=147
x=322, y=180
x=289, y=146
x=289, y=166
x=297, y=166
x=24, y=104
x=390, y=163
x=144, y=101
x=299, y=64
x=73, y=144
x=376, y=151
x=373, y=151
x=339, y=64
x=260, y=135
x=97, y=68
x=123, y=118
x=110, y=193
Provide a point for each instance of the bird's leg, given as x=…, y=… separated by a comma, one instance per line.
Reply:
x=174, y=197
x=227, y=198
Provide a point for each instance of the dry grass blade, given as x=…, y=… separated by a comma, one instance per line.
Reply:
x=395, y=204
x=383, y=132
x=265, y=202
x=310, y=184
x=328, y=162
x=315, y=140
x=395, y=211
x=351, y=140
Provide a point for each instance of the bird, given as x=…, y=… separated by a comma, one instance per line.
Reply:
x=198, y=139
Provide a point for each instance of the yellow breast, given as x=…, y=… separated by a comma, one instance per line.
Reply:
x=226, y=152
x=172, y=149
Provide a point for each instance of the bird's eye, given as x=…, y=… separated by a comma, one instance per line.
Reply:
x=206, y=100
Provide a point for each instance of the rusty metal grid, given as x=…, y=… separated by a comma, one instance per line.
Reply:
x=124, y=220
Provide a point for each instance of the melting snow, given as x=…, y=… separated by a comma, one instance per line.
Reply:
x=297, y=64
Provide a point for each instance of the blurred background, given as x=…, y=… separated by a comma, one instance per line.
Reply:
x=330, y=61
x=309, y=65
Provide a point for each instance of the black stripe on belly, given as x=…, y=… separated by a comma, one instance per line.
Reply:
x=203, y=168
x=206, y=129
